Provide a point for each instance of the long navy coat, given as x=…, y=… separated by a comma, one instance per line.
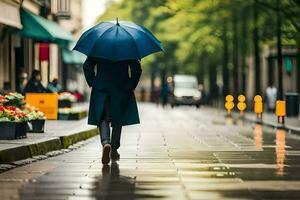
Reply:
x=118, y=80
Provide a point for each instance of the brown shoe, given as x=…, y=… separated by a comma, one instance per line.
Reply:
x=105, y=154
x=114, y=155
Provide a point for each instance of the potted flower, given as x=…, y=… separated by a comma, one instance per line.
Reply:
x=36, y=119
x=75, y=113
x=65, y=100
x=64, y=113
x=2, y=99
x=13, y=99
x=13, y=122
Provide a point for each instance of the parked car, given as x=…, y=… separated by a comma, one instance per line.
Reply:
x=185, y=91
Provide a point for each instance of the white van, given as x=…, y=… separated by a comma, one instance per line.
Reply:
x=185, y=91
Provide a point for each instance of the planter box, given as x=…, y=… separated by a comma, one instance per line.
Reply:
x=13, y=130
x=36, y=126
x=63, y=116
x=72, y=116
x=64, y=104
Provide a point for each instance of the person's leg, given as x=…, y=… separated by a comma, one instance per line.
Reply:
x=105, y=141
x=115, y=137
x=104, y=123
x=104, y=132
x=115, y=142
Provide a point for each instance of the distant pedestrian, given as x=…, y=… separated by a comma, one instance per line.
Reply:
x=54, y=86
x=156, y=94
x=34, y=84
x=22, y=81
x=143, y=94
x=215, y=95
x=165, y=91
x=112, y=100
x=271, y=96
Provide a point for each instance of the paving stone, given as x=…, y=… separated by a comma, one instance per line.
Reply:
x=24, y=162
x=182, y=153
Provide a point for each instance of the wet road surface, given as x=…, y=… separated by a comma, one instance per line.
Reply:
x=181, y=153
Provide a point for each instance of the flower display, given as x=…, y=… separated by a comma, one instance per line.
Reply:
x=2, y=99
x=67, y=96
x=13, y=99
x=13, y=114
x=33, y=113
x=14, y=109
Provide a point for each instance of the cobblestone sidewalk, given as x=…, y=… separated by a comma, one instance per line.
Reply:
x=182, y=153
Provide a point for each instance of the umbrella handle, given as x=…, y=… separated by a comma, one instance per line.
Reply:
x=118, y=21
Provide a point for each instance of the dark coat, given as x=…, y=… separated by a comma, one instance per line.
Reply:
x=112, y=79
x=34, y=86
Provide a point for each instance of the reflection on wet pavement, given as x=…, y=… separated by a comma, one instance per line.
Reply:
x=258, y=137
x=182, y=153
x=280, y=151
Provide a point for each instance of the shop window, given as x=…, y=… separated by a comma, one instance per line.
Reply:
x=63, y=9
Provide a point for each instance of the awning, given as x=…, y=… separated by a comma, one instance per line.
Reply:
x=9, y=15
x=42, y=30
x=72, y=57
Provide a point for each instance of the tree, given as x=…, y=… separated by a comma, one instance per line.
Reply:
x=199, y=36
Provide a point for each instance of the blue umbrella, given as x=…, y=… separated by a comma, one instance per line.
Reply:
x=118, y=41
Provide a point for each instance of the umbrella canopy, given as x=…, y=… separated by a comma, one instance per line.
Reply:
x=118, y=41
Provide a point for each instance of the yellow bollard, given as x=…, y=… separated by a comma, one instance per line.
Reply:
x=229, y=105
x=241, y=105
x=258, y=108
x=280, y=112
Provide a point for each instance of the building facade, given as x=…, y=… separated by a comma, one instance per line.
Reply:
x=33, y=35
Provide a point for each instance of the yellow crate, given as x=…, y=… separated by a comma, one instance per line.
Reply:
x=45, y=102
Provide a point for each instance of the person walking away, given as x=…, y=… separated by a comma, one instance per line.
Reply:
x=34, y=84
x=112, y=101
x=54, y=86
x=271, y=94
x=165, y=94
x=155, y=93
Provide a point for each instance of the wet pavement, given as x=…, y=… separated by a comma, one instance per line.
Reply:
x=181, y=153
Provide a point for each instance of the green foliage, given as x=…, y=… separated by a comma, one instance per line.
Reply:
x=191, y=30
x=14, y=99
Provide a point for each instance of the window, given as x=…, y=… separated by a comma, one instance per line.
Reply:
x=63, y=9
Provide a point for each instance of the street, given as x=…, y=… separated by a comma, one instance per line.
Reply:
x=181, y=153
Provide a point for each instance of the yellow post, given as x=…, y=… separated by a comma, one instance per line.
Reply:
x=229, y=105
x=258, y=108
x=241, y=105
x=280, y=112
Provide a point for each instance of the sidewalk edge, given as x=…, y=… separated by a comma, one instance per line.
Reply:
x=274, y=125
x=11, y=155
x=68, y=140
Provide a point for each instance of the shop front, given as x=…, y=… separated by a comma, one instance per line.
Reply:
x=10, y=24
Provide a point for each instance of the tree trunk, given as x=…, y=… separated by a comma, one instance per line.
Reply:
x=235, y=55
x=200, y=70
x=279, y=52
x=225, y=62
x=256, y=49
x=212, y=82
x=244, y=53
x=152, y=79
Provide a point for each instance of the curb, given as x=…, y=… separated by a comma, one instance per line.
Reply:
x=293, y=129
x=29, y=151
